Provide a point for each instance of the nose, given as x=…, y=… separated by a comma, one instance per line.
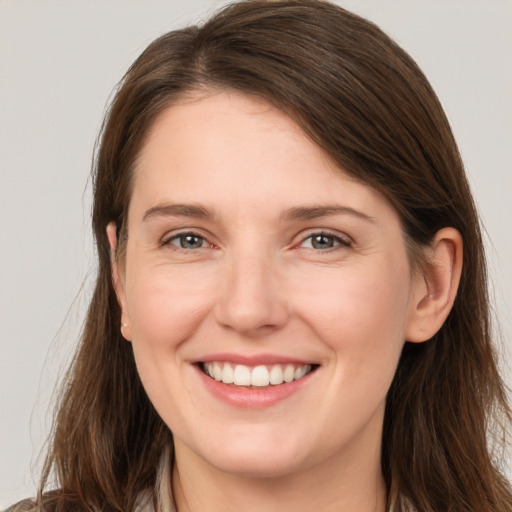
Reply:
x=252, y=301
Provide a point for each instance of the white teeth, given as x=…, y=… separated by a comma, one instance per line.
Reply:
x=227, y=374
x=217, y=371
x=300, y=372
x=289, y=373
x=258, y=376
x=242, y=376
x=276, y=375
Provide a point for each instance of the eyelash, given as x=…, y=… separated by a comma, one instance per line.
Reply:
x=168, y=241
x=337, y=240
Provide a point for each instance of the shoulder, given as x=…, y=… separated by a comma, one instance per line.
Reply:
x=51, y=503
x=23, y=506
x=144, y=503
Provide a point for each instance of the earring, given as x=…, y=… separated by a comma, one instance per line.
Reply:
x=123, y=324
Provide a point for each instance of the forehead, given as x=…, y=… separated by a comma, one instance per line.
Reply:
x=235, y=151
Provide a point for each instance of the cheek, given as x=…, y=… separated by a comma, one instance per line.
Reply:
x=361, y=314
x=166, y=305
x=165, y=308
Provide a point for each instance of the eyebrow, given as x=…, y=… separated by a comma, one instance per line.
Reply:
x=295, y=213
x=315, y=212
x=178, y=210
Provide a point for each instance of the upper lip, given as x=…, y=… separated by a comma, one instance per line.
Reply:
x=252, y=360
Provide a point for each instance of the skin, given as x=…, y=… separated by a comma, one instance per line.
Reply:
x=254, y=283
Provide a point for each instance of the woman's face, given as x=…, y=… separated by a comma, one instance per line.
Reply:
x=252, y=258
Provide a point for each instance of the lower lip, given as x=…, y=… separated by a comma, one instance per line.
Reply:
x=252, y=398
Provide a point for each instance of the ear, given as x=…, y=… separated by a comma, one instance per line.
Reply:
x=434, y=292
x=117, y=281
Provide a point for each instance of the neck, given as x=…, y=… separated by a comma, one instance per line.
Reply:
x=339, y=483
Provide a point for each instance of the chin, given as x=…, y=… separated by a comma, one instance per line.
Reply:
x=263, y=454
x=258, y=464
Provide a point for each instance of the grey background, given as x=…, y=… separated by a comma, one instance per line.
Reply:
x=59, y=61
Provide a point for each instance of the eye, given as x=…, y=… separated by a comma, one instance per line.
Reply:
x=188, y=241
x=323, y=241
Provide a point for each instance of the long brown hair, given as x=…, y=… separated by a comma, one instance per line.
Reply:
x=366, y=103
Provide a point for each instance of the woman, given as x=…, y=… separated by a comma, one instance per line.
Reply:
x=291, y=305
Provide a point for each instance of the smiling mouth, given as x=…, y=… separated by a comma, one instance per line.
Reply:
x=260, y=376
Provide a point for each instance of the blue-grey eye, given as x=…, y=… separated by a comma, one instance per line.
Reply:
x=188, y=241
x=322, y=241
